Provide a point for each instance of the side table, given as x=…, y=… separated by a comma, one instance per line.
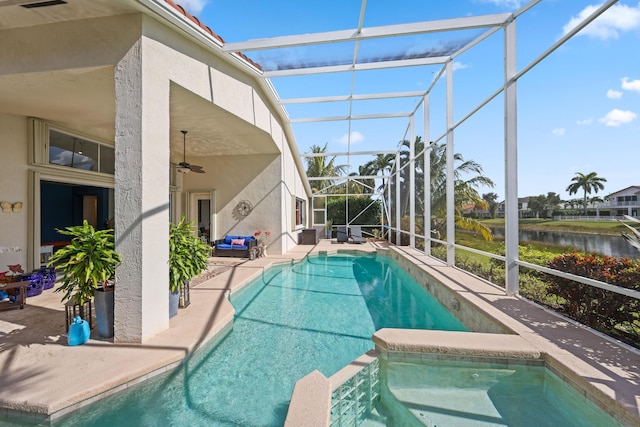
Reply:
x=22, y=286
x=256, y=252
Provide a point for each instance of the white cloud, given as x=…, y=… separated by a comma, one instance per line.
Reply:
x=584, y=122
x=614, y=94
x=194, y=7
x=355, y=138
x=630, y=85
x=511, y=4
x=558, y=132
x=457, y=65
x=617, y=117
x=614, y=20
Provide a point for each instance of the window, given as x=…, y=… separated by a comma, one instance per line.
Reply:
x=59, y=147
x=319, y=212
x=79, y=153
x=300, y=216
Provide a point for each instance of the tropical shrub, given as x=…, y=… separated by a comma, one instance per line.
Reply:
x=606, y=311
x=188, y=255
x=88, y=262
x=370, y=214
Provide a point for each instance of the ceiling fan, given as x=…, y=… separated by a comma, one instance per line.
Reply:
x=185, y=167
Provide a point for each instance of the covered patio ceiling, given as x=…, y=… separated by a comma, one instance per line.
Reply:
x=332, y=66
x=69, y=96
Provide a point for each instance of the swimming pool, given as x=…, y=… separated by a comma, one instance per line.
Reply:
x=317, y=314
x=469, y=393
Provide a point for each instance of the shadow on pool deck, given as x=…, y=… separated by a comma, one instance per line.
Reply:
x=41, y=376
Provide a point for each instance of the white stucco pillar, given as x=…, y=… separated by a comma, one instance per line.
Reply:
x=141, y=196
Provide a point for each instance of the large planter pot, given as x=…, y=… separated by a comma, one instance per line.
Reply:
x=103, y=303
x=174, y=302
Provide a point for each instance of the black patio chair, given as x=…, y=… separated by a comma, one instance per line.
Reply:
x=356, y=234
x=342, y=235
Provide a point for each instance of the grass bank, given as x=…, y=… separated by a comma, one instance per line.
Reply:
x=591, y=227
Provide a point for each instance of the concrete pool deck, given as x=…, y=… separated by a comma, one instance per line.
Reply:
x=41, y=377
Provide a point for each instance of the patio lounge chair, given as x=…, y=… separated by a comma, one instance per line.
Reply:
x=342, y=234
x=356, y=234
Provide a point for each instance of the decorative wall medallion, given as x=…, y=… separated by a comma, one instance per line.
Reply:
x=244, y=207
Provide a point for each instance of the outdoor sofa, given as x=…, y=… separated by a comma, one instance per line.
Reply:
x=235, y=246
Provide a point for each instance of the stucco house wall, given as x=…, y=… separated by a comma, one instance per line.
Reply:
x=293, y=188
x=13, y=188
x=255, y=179
x=143, y=70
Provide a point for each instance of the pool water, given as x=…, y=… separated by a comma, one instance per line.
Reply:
x=475, y=394
x=317, y=314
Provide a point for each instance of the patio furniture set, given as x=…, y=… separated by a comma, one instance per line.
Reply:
x=351, y=234
x=18, y=287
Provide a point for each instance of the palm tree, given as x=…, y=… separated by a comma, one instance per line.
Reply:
x=634, y=237
x=361, y=185
x=383, y=163
x=595, y=200
x=465, y=190
x=587, y=182
x=468, y=178
x=492, y=202
x=317, y=166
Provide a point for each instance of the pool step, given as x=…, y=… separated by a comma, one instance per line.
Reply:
x=396, y=413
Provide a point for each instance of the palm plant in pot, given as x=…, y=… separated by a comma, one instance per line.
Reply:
x=188, y=257
x=87, y=266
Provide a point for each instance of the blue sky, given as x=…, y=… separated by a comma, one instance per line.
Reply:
x=578, y=109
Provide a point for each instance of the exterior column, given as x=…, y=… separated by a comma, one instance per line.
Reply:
x=412, y=184
x=141, y=197
x=511, y=159
x=398, y=202
x=450, y=197
x=427, y=178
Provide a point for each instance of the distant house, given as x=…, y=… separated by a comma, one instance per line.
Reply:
x=471, y=209
x=625, y=201
x=523, y=208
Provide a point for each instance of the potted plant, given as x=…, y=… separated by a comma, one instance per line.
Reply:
x=88, y=264
x=188, y=257
x=329, y=226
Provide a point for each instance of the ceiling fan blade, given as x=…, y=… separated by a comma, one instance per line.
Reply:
x=196, y=169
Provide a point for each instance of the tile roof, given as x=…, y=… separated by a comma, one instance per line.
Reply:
x=208, y=30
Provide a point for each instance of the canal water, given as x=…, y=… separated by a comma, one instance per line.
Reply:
x=614, y=245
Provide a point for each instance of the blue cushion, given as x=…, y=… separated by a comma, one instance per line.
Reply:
x=227, y=246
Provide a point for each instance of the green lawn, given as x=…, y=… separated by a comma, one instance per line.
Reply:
x=496, y=246
x=598, y=227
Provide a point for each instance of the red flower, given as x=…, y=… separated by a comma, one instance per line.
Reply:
x=16, y=268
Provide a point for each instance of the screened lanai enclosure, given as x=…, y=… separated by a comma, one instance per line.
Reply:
x=413, y=184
